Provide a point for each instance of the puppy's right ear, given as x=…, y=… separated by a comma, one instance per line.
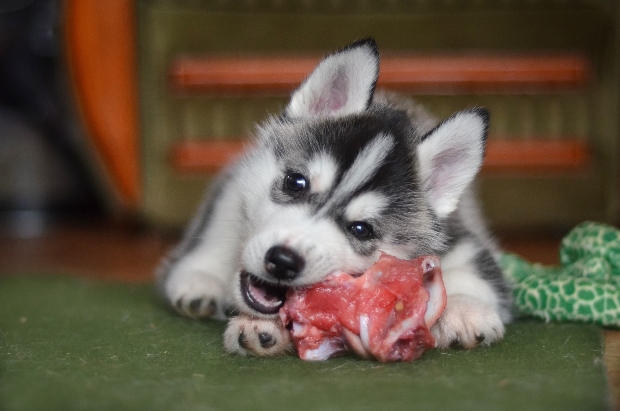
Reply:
x=343, y=83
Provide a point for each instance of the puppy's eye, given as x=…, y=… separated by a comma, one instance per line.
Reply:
x=296, y=183
x=361, y=230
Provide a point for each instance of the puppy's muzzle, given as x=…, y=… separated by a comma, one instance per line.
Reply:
x=266, y=295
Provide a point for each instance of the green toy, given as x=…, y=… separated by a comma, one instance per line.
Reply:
x=585, y=288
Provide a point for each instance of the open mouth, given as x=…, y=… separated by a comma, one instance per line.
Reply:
x=260, y=295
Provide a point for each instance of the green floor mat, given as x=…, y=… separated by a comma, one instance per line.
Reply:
x=70, y=344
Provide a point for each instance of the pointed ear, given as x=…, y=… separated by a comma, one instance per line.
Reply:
x=343, y=83
x=450, y=156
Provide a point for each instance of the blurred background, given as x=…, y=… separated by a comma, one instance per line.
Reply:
x=115, y=115
x=45, y=169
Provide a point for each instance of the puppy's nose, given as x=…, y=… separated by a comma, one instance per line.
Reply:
x=283, y=263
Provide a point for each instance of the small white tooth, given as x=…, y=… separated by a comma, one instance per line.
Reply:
x=276, y=303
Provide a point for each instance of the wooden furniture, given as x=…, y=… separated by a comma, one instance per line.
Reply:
x=207, y=71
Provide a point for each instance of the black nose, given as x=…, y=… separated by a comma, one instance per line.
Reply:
x=283, y=263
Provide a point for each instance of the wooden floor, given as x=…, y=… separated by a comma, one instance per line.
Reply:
x=117, y=253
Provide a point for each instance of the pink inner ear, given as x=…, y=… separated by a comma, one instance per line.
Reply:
x=333, y=98
x=445, y=166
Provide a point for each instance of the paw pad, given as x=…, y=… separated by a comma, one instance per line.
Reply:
x=266, y=340
x=243, y=341
x=197, y=307
x=194, y=305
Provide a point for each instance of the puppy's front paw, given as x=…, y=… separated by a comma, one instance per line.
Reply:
x=196, y=295
x=467, y=322
x=256, y=336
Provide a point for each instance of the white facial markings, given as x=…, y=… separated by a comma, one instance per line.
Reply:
x=317, y=237
x=368, y=161
x=366, y=206
x=319, y=241
x=322, y=171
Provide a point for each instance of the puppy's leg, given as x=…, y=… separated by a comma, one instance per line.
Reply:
x=197, y=278
x=478, y=301
x=248, y=335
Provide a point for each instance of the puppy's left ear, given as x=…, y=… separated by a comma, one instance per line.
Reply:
x=343, y=83
x=450, y=156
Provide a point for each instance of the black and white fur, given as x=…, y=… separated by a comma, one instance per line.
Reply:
x=343, y=174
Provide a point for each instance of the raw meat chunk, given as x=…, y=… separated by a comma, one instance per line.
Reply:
x=386, y=313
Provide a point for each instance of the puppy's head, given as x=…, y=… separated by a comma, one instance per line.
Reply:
x=339, y=178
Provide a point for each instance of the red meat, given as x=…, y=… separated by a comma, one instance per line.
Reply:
x=386, y=313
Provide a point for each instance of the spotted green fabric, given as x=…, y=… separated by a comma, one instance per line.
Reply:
x=585, y=288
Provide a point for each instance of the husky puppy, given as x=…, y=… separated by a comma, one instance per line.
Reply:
x=341, y=176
